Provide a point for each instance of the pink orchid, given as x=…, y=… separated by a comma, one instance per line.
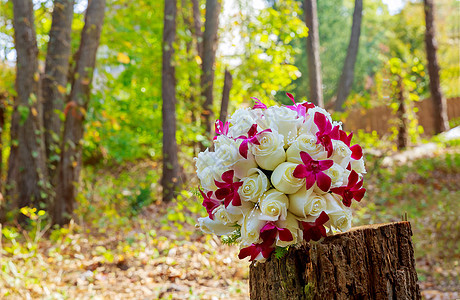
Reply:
x=315, y=230
x=326, y=133
x=266, y=248
x=228, y=190
x=209, y=203
x=251, y=138
x=356, y=150
x=258, y=104
x=221, y=128
x=301, y=109
x=312, y=170
x=270, y=231
x=353, y=190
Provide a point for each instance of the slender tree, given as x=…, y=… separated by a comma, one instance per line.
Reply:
x=348, y=71
x=197, y=27
x=314, y=62
x=228, y=82
x=27, y=174
x=75, y=110
x=441, y=121
x=171, y=171
x=208, y=58
x=55, y=78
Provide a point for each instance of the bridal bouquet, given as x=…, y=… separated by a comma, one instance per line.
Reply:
x=277, y=176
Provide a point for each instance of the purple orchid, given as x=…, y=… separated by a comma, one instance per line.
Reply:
x=251, y=138
x=228, y=190
x=270, y=231
x=326, y=133
x=258, y=104
x=209, y=203
x=315, y=230
x=356, y=150
x=221, y=128
x=353, y=190
x=312, y=171
x=301, y=109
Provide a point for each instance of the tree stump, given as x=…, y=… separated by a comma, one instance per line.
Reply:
x=367, y=262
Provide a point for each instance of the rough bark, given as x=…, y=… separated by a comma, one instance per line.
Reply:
x=368, y=262
x=314, y=61
x=75, y=110
x=228, y=82
x=27, y=174
x=348, y=71
x=171, y=171
x=208, y=58
x=403, y=135
x=441, y=122
x=55, y=78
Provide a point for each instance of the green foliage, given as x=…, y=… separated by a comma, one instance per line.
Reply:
x=280, y=252
x=233, y=238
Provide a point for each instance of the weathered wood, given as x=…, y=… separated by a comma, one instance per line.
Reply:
x=368, y=262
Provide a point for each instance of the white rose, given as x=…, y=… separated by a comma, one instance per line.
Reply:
x=209, y=174
x=270, y=153
x=337, y=175
x=306, y=203
x=243, y=166
x=226, y=150
x=214, y=226
x=283, y=178
x=250, y=229
x=224, y=216
x=273, y=205
x=283, y=120
x=242, y=119
x=254, y=186
x=358, y=166
x=307, y=143
x=309, y=126
x=205, y=159
x=292, y=224
x=341, y=153
x=340, y=215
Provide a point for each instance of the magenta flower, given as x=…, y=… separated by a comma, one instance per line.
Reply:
x=266, y=248
x=353, y=190
x=209, y=203
x=301, y=109
x=312, y=171
x=221, y=128
x=326, y=133
x=270, y=231
x=315, y=230
x=251, y=138
x=258, y=104
x=228, y=190
x=356, y=150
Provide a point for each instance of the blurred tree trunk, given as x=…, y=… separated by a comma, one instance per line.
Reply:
x=348, y=71
x=228, y=82
x=70, y=163
x=55, y=79
x=3, y=104
x=314, y=61
x=208, y=58
x=27, y=174
x=441, y=121
x=197, y=27
x=171, y=180
x=403, y=135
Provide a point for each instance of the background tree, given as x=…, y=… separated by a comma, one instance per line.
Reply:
x=439, y=101
x=313, y=48
x=348, y=70
x=171, y=172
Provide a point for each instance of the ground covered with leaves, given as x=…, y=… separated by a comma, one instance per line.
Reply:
x=123, y=244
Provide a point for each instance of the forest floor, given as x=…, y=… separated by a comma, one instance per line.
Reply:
x=156, y=252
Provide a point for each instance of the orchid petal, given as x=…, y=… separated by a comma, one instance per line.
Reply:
x=325, y=164
x=323, y=181
x=305, y=157
x=227, y=176
x=258, y=104
x=291, y=97
x=320, y=121
x=356, y=152
x=222, y=193
x=310, y=181
x=285, y=235
x=322, y=219
x=252, y=131
x=300, y=171
x=359, y=194
x=352, y=179
x=244, y=149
